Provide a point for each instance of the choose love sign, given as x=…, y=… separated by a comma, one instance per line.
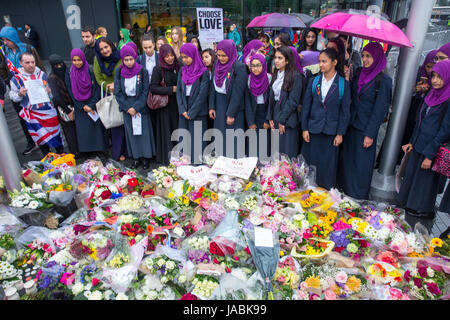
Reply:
x=210, y=25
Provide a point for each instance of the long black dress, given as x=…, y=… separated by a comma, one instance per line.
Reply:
x=167, y=117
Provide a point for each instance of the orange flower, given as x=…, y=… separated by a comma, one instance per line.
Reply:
x=150, y=229
x=214, y=196
x=201, y=190
x=130, y=234
x=353, y=284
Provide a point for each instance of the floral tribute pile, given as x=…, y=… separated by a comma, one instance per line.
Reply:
x=160, y=238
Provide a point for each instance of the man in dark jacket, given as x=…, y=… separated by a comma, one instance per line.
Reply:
x=88, y=36
x=32, y=36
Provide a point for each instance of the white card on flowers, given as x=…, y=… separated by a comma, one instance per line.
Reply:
x=241, y=168
x=263, y=237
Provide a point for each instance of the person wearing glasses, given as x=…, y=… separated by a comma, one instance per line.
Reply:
x=443, y=53
x=257, y=99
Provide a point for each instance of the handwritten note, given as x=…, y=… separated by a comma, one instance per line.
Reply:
x=94, y=116
x=263, y=237
x=197, y=176
x=241, y=168
x=137, y=124
x=36, y=92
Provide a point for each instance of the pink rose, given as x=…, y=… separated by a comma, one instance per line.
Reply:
x=341, y=277
x=303, y=285
x=302, y=295
x=395, y=293
x=330, y=295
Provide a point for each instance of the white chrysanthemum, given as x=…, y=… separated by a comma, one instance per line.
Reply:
x=87, y=294
x=160, y=262
x=152, y=295
x=77, y=288
x=182, y=278
x=305, y=224
x=170, y=265
x=96, y=295
x=164, y=279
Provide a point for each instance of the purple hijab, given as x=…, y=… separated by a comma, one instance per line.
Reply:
x=164, y=50
x=229, y=48
x=445, y=49
x=428, y=59
x=437, y=96
x=124, y=70
x=378, y=65
x=132, y=45
x=250, y=49
x=259, y=83
x=297, y=60
x=80, y=80
x=196, y=69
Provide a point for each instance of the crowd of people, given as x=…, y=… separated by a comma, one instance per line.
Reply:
x=331, y=115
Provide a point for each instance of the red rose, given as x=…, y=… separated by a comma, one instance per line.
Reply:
x=214, y=249
x=228, y=269
x=132, y=242
x=122, y=227
x=128, y=226
x=247, y=250
x=95, y=282
x=106, y=195
x=133, y=182
x=121, y=174
x=216, y=261
x=339, y=249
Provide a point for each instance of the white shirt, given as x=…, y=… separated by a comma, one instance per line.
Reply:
x=260, y=99
x=130, y=86
x=326, y=85
x=277, y=84
x=150, y=63
x=223, y=88
x=188, y=90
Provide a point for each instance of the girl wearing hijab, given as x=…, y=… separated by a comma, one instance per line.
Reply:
x=124, y=38
x=443, y=53
x=192, y=96
x=325, y=118
x=298, y=61
x=226, y=96
x=131, y=85
x=106, y=63
x=368, y=108
x=84, y=91
x=420, y=184
x=166, y=117
x=286, y=91
x=257, y=100
x=62, y=101
x=250, y=49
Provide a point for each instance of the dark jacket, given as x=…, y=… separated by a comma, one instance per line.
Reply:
x=368, y=108
x=33, y=38
x=2, y=89
x=251, y=105
x=235, y=84
x=139, y=101
x=431, y=130
x=89, y=52
x=330, y=117
x=288, y=114
x=141, y=59
x=196, y=104
x=61, y=96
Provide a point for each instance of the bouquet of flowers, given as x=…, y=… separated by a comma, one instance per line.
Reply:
x=438, y=247
x=151, y=288
x=286, y=277
x=61, y=190
x=53, y=280
x=88, y=285
x=94, y=245
x=92, y=170
x=197, y=248
x=134, y=228
x=102, y=193
x=290, y=234
x=8, y=272
x=204, y=286
x=216, y=213
x=425, y=281
x=129, y=203
x=180, y=200
x=203, y=197
x=120, y=255
x=226, y=185
x=36, y=252
x=164, y=177
x=350, y=243
x=34, y=198
x=168, y=269
x=7, y=241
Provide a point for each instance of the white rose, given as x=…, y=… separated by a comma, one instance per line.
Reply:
x=121, y=296
x=88, y=286
x=161, y=262
x=87, y=294
x=170, y=265
x=107, y=294
x=430, y=272
x=182, y=278
x=96, y=295
x=152, y=295
x=164, y=279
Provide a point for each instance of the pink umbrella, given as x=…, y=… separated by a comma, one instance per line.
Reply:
x=276, y=20
x=363, y=26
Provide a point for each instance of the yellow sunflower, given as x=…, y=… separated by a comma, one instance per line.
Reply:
x=313, y=282
x=436, y=242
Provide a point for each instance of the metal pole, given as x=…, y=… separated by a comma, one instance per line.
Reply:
x=417, y=27
x=9, y=162
x=72, y=13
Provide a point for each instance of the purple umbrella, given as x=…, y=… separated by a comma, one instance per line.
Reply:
x=276, y=20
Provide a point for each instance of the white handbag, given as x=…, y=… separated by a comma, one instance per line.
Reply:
x=108, y=110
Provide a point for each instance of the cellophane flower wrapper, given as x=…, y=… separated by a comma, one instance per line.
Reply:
x=35, y=233
x=120, y=275
x=196, y=247
x=304, y=175
x=78, y=216
x=8, y=220
x=92, y=245
x=228, y=235
x=226, y=184
x=240, y=284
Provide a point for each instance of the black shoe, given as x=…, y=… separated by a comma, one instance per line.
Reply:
x=135, y=164
x=420, y=214
x=146, y=165
x=29, y=149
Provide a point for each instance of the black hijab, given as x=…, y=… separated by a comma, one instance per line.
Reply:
x=54, y=60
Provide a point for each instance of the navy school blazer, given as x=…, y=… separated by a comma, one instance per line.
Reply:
x=196, y=104
x=368, y=109
x=431, y=130
x=330, y=117
x=251, y=104
x=235, y=84
x=140, y=100
x=95, y=97
x=288, y=113
x=141, y=59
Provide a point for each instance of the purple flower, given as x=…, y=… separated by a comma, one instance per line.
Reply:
x=423, y=271
x=433, y=288
x=418, y=283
